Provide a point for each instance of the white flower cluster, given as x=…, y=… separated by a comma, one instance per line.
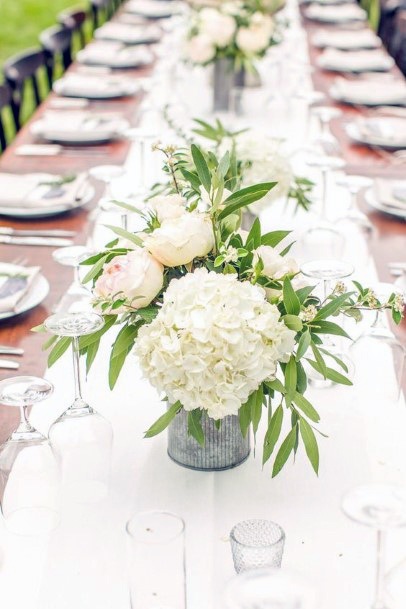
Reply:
x=213, y=342
x=264, y=162
x=217, y=28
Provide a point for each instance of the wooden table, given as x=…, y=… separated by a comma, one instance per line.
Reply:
x=389, y=242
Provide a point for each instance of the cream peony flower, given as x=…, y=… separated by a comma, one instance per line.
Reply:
x=213, y=342
x=218, y=27
x=179, y=241
x=167, y=207
x=252, y=40
x=275, y=266
x=137, y=276
x=200, y=49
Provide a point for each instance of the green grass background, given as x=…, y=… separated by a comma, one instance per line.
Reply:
x=20, y=25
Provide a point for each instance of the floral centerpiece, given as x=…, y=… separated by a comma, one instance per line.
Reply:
x=215, y=316
x=232, y=36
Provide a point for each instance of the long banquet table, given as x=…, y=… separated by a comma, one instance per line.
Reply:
x=82, y=564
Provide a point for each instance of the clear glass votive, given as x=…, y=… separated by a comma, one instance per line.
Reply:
x=156, y=561
x=257, y=543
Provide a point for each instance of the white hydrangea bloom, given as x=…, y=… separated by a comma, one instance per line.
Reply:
x=213, y=342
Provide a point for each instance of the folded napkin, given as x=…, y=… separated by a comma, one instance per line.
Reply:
x=355, y=61
x=335, y=14
x=153, y=8
x=387, y=131
x=36, y=190
x=369, y=92
x=15, y=281
x=347, y=39
x=388, y=193
x=131, y=34
x=112, y=54
x=77, y=125
x=76, y=84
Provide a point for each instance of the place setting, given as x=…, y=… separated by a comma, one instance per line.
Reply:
x=40, y=195
x=346, y=40
x=335, y=14
x=386, y=132
x=21, y=289
x=129, y=34
x=369, y=92
x=91, y=86
x=115, y=55
x=336, y=60
x=154, y=9
x=388, y=196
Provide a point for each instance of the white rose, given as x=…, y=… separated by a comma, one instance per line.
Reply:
x=137, y=277
x=275, y=265
x=252, y=40
x=200, y=49
x=218, y=27
x=167, y=207
x=181, y=240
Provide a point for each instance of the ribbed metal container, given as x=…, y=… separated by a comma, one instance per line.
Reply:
x=224, y=80
x=224, y=448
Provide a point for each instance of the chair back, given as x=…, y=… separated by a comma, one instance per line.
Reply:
x=57, y=43
x=75, y=20
x=5, y=101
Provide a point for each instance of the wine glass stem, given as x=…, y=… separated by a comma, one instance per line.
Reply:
x=76, y=370
x=323, y=194
x=24, y=423
x=379, y=602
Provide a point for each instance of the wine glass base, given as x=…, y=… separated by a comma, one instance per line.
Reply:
x=32, y=521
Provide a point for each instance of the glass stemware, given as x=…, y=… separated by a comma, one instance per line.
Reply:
x=378, y=347
x=77, y=295
x=107, y=174
x=381, y=507
x=29, y=474
x=322, y=239
x=269, y=589
x=355, y=184
x=156, y=553
x=326, y=139
x=328, y=271
x=81, y=437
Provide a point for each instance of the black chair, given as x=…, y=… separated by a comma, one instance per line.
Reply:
x=75, y=20
x=101, y=11
x=5, y=102
x=20, y=70
x=399, y=42
x=57, y=44
x=386, y=27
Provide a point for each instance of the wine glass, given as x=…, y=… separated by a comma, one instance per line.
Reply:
x=72, y=256
x=355, y=184
x=322, y=239
x=326, y=139
x=29, y=474
x=381, y=507
x=107, y=174
x=142, y=137
x=269, y=588
x=328, y=271
x=378, y=347
x=81, y=437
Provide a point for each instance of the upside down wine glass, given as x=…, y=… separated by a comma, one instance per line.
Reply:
x=81, y=437
x=381, y=507
x=29, y=473
x=328, y=271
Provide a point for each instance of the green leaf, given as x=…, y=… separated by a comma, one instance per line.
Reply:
x=283, y=453
x=305, y=406
x=328, y=327
x=303, y=345
x=224, y=164
x=276, y=385
x=273, y=238
x=335, y=358
x=125, y=339
x=331, y=374
x=310, y=443
x=272, y=434
x=290, y=378
x=240, y=202
x=191, y=177
x=91, y=353
x=127, y=206
x=95, y=270
x=125, y=234
x=290, y=300
x=85, y=341
x=293, y=322
x=201, y=167
x=244, y=415
x=301, y=384
x=58, y=350
x=163, y=421
x=256, y=407
x=48, y=343
x=303, y=293
x=322, y=368
x=255, y=234
x=115, y=367
x=333, y=306
x=194, y=424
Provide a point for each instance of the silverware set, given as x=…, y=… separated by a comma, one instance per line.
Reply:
x=40, y=237
x=10, y=364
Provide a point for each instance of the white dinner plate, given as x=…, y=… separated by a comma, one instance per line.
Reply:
x=37, y=292
x=118, y=61
x=359, y=100
x=373, y=202
x=116, y=90
x=44, y=212
x=381, y=139
x=105, y=132
x=383, y=64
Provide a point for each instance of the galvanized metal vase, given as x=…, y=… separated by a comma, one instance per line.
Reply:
x=225, y=78
x=224, y=448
